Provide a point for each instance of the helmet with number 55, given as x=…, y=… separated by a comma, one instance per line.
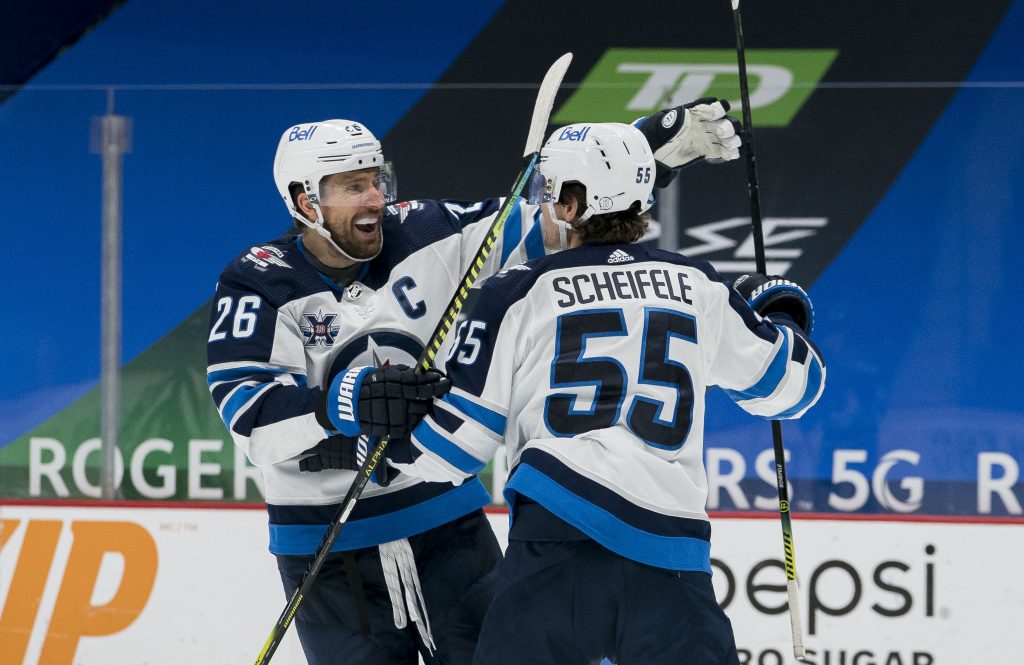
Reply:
x=610, y=159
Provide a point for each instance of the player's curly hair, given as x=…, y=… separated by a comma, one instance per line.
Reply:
x=615, y=227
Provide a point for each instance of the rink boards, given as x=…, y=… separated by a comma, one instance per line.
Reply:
x=165, y=585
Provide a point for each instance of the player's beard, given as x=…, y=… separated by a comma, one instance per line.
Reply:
x=362, y=237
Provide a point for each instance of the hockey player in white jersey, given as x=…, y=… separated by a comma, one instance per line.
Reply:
x=592, y=366
x=311, y=336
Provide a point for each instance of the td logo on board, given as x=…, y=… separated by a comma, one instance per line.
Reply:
x=627, y=83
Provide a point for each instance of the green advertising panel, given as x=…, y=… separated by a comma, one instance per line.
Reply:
x=173, y=445
x=627, y=83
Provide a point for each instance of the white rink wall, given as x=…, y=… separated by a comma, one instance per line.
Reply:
x=171, y=585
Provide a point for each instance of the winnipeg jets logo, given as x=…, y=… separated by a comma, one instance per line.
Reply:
x=320, y=331
x=265, y=256
x=379, y=349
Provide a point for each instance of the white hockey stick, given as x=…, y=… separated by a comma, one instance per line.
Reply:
x=789, y=555
x=538, y=125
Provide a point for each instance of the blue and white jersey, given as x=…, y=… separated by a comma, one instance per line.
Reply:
x=591, y=365
x=279, y=329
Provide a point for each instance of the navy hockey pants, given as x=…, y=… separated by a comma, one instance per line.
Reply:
x=456, y=563
x=575, y=602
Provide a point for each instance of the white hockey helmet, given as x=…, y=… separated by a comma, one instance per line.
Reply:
x=309, y=152
x=612, y=160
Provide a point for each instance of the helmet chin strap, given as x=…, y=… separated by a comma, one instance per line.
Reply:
x=319, y=227
x=563, y=226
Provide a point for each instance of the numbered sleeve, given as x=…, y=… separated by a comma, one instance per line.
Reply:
x=467, y=424
x=769, y=367
x=256, y=375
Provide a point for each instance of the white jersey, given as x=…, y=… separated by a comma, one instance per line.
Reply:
x=279, y=330
x=592, y=365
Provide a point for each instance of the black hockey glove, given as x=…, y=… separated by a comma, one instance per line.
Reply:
x=341, y=452
x=690, y=133
x=776, y=295
x=334, y=452
x=382, y=401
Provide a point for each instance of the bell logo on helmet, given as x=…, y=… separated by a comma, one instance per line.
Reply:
x=570, y=134
x=299, y=134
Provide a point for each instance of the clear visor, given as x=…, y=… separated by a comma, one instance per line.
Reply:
x=359, y=189
x=538, y=188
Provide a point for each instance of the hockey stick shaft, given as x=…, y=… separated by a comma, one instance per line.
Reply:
x=538, y=124
x=754, y=193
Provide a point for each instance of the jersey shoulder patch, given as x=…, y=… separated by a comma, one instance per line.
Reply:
x=402, y=210
x=276, y=270
x=262, y=257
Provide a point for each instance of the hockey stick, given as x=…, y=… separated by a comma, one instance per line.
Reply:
x=753, y=191
x=538, y=125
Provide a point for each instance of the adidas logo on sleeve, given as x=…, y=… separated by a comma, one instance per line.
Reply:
x=619, y=256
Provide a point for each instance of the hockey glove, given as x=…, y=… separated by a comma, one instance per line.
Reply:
x=776, y=295
x=687, y=134
x=335, y=452
x=344, y=453
x=383, y=401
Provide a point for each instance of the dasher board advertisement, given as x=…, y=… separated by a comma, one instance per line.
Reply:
x=167, y=586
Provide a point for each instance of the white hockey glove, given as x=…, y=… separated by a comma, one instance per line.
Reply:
x=687, y=134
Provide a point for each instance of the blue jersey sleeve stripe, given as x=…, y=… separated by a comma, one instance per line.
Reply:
x=448, y=421
x=237, y=373
x=770, y=380
x=239, y=399
x=278, y=403
x=436, y=443
x=814, y=375
x=512, y=233
x=492, y=420
x=535, y=241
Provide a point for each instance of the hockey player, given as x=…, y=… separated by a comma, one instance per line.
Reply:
x=311, y=338
x=591, y=365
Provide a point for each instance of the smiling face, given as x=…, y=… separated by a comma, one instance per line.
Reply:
x=352, y=205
